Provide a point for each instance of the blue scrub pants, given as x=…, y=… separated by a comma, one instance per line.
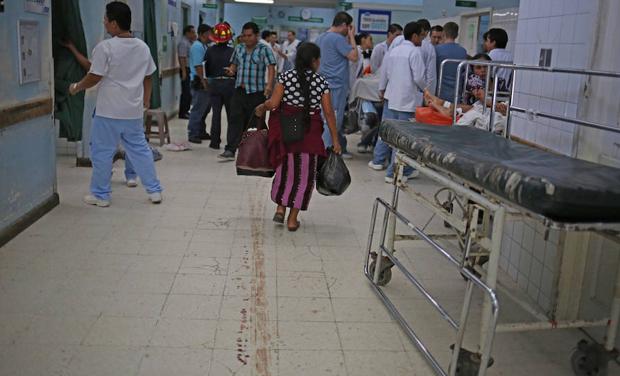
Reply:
x=339, y=101
x=105, y=135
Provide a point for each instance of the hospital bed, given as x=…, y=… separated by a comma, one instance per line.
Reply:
x=485, y=180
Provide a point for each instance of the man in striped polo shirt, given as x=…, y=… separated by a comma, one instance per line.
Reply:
x=249, y=62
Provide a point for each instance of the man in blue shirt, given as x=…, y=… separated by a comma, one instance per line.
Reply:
x=249, y=62
x=338, y=47
x=201, y=105
x=449, y=50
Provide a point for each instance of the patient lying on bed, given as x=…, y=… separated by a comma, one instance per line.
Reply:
x=471, y=115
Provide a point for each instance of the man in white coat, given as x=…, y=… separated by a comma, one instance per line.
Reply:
x=288, y=52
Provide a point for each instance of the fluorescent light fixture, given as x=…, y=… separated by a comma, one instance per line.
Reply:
x=255, y=1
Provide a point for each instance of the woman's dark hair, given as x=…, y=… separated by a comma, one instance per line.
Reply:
x=481, y=57
x=306, y=54
x=265, y=34
x=119, y=12
x=360, y=36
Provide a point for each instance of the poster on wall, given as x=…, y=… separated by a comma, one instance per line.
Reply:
x=37, y=6
x=374, y=21
x=28, y=49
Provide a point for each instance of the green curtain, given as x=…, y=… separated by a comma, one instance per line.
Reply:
x=67, y=25
x=150, y=38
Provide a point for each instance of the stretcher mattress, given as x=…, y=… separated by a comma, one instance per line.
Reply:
x=561, y=188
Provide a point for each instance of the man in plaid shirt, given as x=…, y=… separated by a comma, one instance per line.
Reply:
x=249, y=62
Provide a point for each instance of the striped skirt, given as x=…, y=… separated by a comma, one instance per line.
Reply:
x=294, y=180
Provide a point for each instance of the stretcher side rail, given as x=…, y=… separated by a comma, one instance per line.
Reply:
x=490, y=240
x=472, y=280
x=463, y=65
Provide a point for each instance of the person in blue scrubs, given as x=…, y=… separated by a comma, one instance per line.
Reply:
x=338, y=47
x=122, y=66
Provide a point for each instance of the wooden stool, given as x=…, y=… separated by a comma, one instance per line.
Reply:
x=161, y=121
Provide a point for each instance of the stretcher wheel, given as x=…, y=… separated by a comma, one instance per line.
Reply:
x=385, y=276
x=589, y=359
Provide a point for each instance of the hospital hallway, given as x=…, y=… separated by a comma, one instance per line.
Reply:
x=459, y=162
x=206, y=284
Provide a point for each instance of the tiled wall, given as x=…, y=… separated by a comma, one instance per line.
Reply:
x=568, y=28
x=530, y=260
x=582, y=35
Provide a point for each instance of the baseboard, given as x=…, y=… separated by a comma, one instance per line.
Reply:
x=28, y=219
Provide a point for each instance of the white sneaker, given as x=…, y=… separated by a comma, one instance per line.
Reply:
x=376, y=167
x=132, y=183
x=92, y=200
x=347, y=156
x=155, y=197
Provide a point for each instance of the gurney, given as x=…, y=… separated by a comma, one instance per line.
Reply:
x=485, y=180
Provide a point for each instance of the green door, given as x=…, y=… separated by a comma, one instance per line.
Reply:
x=67, y=26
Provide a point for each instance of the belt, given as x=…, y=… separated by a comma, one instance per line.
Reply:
x=221, y=78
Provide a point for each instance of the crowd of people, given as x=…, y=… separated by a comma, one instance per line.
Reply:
x=304, y=82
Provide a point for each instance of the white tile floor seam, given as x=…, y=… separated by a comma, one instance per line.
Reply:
x=181, y=287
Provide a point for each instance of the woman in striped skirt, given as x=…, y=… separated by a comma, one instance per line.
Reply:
x=298, y=90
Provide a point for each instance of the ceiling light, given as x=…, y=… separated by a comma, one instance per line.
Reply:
x=255, y=1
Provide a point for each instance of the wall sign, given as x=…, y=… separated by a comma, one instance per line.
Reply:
x=311, y=20
x=466, y=4
x=28, y=51
x=374, y=21
x=37, y=6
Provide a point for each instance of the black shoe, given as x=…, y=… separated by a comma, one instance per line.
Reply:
x=194, y=140
x=227, y=156
x=216, y=147
x=186, y=117
x=205, y=136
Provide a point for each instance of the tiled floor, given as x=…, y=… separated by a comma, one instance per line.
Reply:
x=206, y=284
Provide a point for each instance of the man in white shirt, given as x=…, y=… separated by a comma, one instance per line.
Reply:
x=122, y=66
x=288, y=52
x=429, y=55
x=495, y=41
x=403, y=91
x=381, y=49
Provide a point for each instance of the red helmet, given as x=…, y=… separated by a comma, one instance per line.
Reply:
x=221, y=33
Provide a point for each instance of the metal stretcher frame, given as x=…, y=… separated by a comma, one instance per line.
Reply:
x=489, y=239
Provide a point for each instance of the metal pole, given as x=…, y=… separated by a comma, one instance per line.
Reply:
x=465, y=81
x=568, y=120
x=494, y=101
x=460, y=334
x=492, y=268
x=486, y=90
x=511, y=100
x=614, y=316
x=457, y=89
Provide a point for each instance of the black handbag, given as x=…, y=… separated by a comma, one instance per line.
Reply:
x=293, y=127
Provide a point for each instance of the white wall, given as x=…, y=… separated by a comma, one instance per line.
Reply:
x=582, y=35
x=568, y=28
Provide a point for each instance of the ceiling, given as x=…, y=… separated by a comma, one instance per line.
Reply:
x=303, y=3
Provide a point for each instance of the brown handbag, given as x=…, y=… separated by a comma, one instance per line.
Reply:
x=253, y=156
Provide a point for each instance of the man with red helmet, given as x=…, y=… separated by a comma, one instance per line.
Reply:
x=221, y=86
